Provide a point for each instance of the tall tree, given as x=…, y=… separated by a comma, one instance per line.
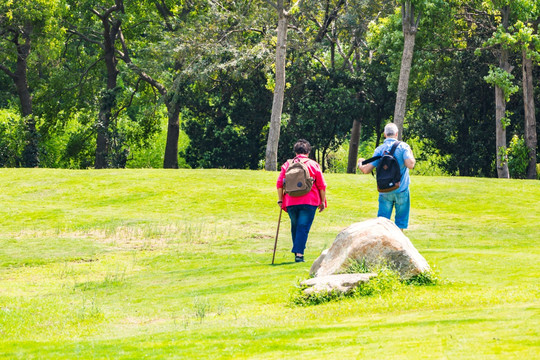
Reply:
x=526, y=37
x=410, y=22
x=500, y=105
x=105, y=36
x=531, y=139
x=170, y=159
x=501, y=77
x=208, y=37
x=111, y=22
x=20, y=23
x=339, y=45
x=279, y=90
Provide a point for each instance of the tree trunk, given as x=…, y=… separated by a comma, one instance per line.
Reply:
x=279, y=91
x=410, y=27
x=170, y=160
x=500, y=110
x=103, y=140
x=108, y=100
x=500, y=138
x=530, y=117
x=20, y=79
x=353, y=147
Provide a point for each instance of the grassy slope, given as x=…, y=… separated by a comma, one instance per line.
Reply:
x=175, y=264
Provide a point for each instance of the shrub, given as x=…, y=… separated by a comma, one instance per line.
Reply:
x=299, y=298
x=428, y=278
x=12, y=138
x=518, y=158
x=388, y=280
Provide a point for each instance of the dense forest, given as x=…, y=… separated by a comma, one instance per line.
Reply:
x=233, y=83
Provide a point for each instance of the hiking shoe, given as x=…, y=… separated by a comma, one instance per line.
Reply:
x=299, y=259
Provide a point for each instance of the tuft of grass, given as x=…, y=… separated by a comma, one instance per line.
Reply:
x=427, y=278
x=299, y=298
x=201, y=307
x=388, y=280
x=356, y=267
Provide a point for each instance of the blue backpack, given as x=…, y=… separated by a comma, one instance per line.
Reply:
x=388, y=170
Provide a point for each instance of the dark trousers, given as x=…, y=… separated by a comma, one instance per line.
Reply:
x=301, y=219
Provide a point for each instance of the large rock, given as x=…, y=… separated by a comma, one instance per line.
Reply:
x=371, y=241
x=339, y=283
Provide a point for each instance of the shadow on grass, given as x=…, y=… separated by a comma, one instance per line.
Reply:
x=283, y=263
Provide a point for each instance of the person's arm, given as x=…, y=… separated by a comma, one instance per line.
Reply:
x=280, y=195
x=367, y=168
x=322, y=194
x=410, y=161
x=279, y=185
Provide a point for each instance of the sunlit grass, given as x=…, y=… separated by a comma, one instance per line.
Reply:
x=176, y=264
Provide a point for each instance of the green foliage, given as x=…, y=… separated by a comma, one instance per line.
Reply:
x=387, y=281
x=518, y=158
x=452, y=126
x=427, y=278
x=357, y=267
x=337, y=161
x=298, y=298
x=335, y=74
x=502, y=79
x=436, y=31
x=224, y=121
x=80, y=149
x=12, y=140
x=150, y=155
x=322, y=108
x=429, y=161
x=30, y=154
x=502, y=154
x=19, y=140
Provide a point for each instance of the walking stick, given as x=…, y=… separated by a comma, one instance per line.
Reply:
x=277, y=232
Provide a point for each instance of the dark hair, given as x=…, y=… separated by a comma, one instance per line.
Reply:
x=302, y=147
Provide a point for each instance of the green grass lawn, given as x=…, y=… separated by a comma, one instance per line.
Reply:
x=175, y=264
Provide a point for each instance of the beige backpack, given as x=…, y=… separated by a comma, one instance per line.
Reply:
x=297, y=181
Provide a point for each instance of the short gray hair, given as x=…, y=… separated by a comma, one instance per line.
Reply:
x=390, y=129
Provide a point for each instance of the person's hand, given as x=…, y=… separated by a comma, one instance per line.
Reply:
x=360, y=161
x=321, y=206
x=279, y=202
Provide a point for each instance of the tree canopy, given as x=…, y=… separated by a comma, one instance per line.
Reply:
x=101, y=83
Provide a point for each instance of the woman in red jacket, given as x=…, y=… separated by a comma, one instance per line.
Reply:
x=301, y=209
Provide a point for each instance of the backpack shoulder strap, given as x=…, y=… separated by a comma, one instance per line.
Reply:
x=299, y=159
x=371, y=159
x=394, y=146
x=374, y=158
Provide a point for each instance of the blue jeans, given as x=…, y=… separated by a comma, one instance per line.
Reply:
x=401, y=201
x=301, y=219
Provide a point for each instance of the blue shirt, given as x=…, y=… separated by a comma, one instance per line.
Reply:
x=403, y=151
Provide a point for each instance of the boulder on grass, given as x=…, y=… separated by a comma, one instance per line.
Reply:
x=340, y=283
x=372, y=242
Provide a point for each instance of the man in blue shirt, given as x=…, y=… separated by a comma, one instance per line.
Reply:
x=399, y=198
